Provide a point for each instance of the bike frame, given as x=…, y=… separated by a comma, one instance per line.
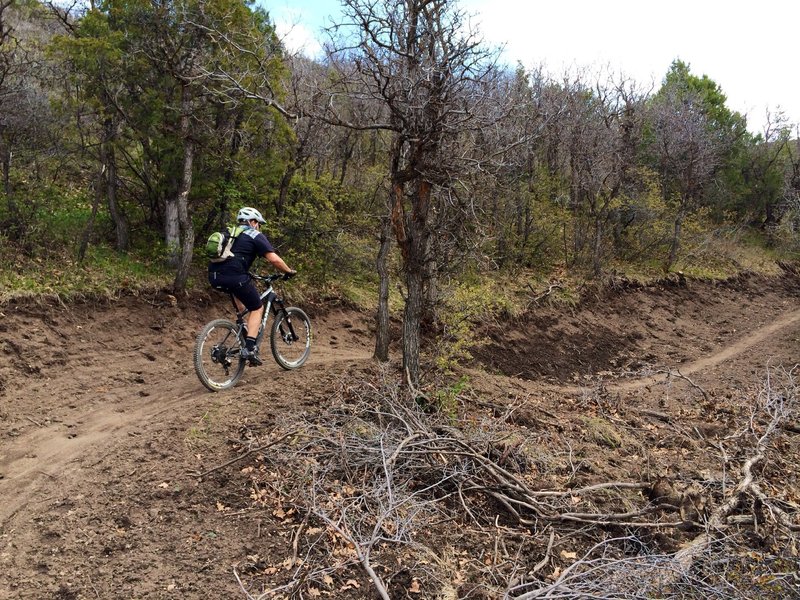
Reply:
x=221, y=342
x=271, y=302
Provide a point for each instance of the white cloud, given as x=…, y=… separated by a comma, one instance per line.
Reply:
x=295, y=27
x=296, y=37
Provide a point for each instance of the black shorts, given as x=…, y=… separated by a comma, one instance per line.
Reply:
x=241, y=286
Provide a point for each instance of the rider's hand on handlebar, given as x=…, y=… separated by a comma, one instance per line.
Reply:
x=289, y=275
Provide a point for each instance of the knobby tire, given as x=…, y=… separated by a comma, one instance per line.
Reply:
x=224, y=372
x=288, y=352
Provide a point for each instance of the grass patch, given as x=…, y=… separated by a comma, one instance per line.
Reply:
x=602, y=432
x=198, y=434
x=103, y=273
x=724, y=254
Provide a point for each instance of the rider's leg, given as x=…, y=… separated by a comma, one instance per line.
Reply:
x=250, y=300
x=247, y=296
x=253, y=322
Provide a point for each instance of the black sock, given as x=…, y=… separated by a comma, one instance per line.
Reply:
x=250, y=342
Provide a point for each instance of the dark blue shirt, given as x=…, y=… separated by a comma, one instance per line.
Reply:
x=249, y=245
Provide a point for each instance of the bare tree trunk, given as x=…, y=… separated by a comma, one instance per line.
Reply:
x=283, y=189
x=87, y=231
x=299, y=159
x=382, y=318
x=182, y=203
x=430, y=311
x=108, y=159
x=172, y=231
x=172, y=219
x=6, y=158
x=597, y=247
x=347, y=154
x=430, y=282
x=676, y=240
x=411, y=325
x=412, y=236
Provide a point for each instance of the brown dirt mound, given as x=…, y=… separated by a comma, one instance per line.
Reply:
x=627, y=329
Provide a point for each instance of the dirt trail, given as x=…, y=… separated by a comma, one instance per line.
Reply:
x=54, y=444
x=35, y=459
x=784, y=323
x=100, y=432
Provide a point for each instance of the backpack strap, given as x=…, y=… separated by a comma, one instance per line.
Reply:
x=233, y=233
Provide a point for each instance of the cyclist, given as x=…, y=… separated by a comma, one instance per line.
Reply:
x=232, y=276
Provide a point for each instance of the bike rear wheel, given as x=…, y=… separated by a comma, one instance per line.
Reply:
x=290, y=338
x=217, y=353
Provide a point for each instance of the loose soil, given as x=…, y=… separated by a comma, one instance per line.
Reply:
x=104, y=424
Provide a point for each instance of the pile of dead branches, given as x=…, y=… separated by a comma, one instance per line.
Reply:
x=424, y=503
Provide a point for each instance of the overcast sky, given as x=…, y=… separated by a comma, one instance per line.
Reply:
x=750, y=50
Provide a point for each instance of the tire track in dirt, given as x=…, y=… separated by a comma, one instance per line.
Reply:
x=35, y=460
x=746, y=342
x=783, y=322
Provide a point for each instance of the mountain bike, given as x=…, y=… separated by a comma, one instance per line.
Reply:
x=218, y=359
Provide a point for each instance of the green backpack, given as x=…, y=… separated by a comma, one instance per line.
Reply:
x=218, y=246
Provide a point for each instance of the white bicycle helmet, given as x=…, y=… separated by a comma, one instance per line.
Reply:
x=249, y=214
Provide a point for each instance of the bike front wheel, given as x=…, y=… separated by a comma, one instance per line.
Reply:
x=217, y=353
x=290, y=338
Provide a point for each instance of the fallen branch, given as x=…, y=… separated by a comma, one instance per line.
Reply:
x=677, y=373
x=540, y=297
x=779, y=513
x=658, y=415
x=716, y=521
x=245, y=455
x=361, y=553
x=543, y=563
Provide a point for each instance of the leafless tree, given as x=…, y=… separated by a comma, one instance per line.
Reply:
x=529, y=172
x=604, y=129
x=688, y=153
x=427, y=74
